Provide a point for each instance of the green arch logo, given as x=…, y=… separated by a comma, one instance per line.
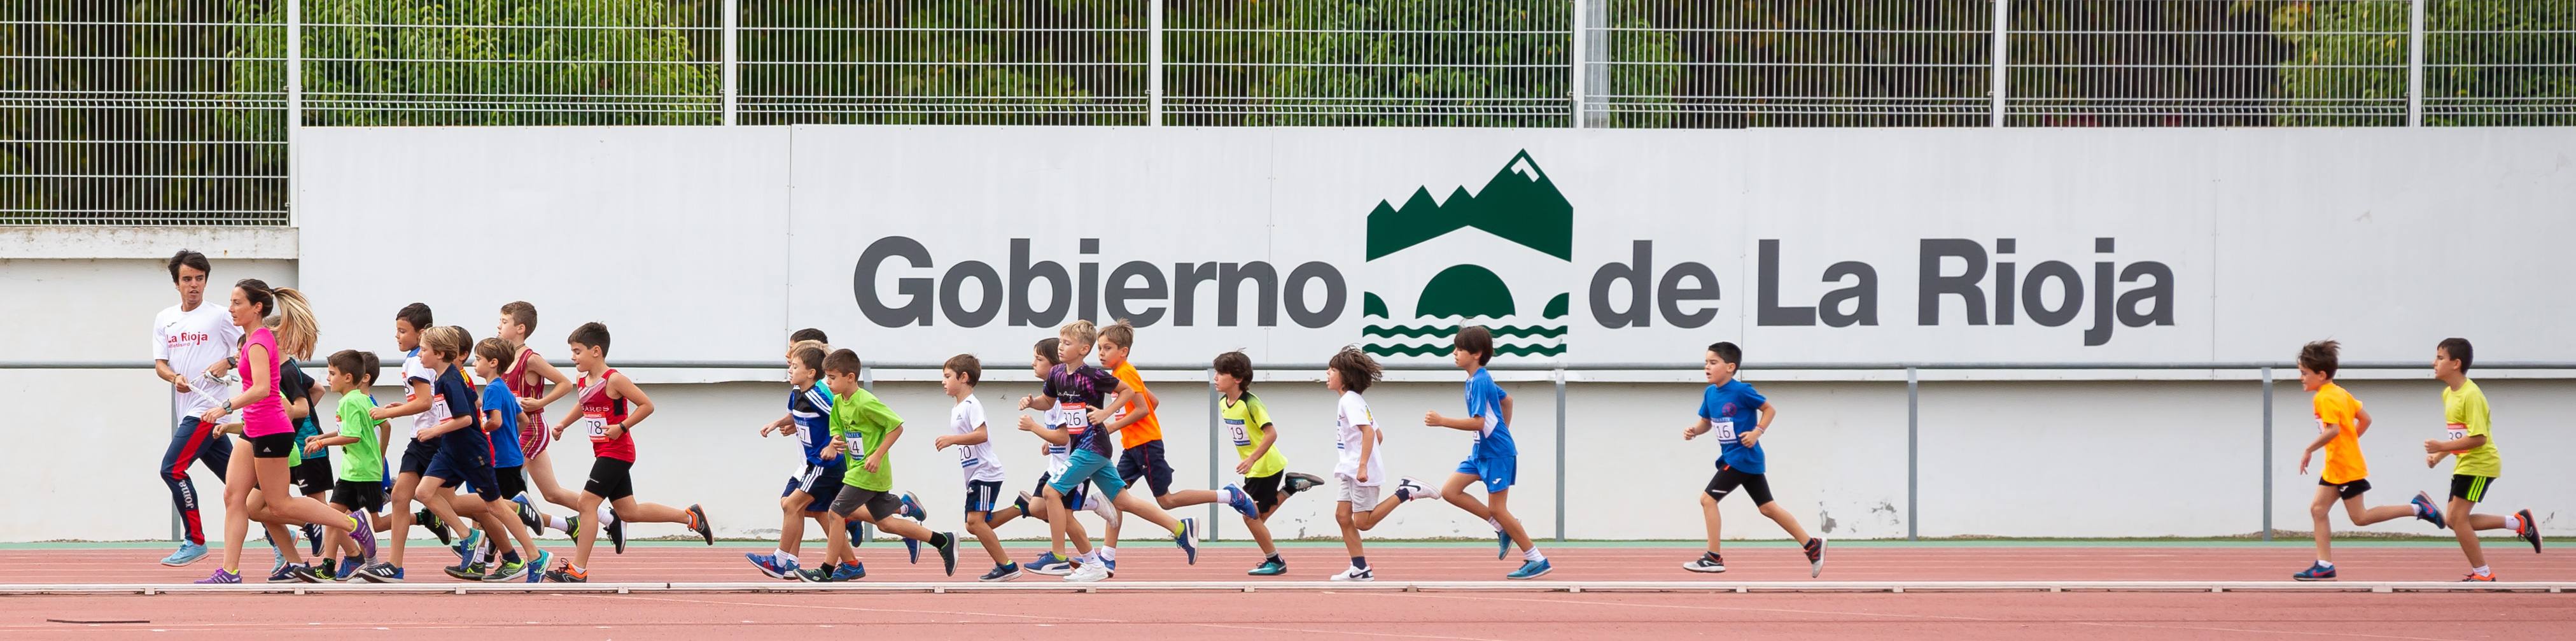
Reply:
x=1521, y=205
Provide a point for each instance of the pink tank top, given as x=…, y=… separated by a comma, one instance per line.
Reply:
x=267, y=415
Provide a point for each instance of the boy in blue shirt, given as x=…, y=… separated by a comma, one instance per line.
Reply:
x=1726, y=407
x=1494, y=460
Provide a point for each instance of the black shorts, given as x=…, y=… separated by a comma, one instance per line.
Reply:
x=2473, y=488
x=611, y=479
x=367, y=496
x=1264, y=491
x=279, y=445
x=1146, y=461
x=2347, y=490
x=1728, y=479
x=313, y=476
x=467, y=467
x=510, y=481
x=417, y=456
x=879, y=504
x=823, y=483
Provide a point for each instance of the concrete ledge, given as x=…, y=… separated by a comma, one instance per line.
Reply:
x=81, y=242
x=1049, y=584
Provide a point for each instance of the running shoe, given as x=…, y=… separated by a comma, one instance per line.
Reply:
x=2315, y=572
x=1000, y=573
x=1299, y=482
x=1241, y=501
x=436, y=527
x=1181, y=537
x=468, y=571
x=2474, y=577
x=769, y=565
x=565, y=574
x=187, y=553
x=616, y=532
x=858, y=530
x=1088, y=573
x=2424, y=510
x=947, y=547
x=507, y=571
x=2530, y=530
x=1107, y=509
x=1815, y=556
x=380, y=572
x=1502, y=545
x=1356, y=574
x=1707, y=563
x=1530, y=570
x=815, y=575
x=851, y=571
x=1050, y=565
x=349, y=569
x=221, y=577
x=528, y=515
x=910, y=509
x=1410, y=489
x=544, y=559
x=313, y=538
x=365, y=534
x=465, y=549
x=698, y=522
x=1270, y=567
x=285, y=573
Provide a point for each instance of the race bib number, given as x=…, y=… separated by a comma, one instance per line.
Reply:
x=2455, y=433
x=1725, y=431
x=1077, y=417
x=438, y=410
x=1242, y=436
x=597, y=424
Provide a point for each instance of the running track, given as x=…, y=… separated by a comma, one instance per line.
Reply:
x=1234, y=616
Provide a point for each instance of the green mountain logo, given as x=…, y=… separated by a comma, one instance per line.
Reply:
x=1520, y=205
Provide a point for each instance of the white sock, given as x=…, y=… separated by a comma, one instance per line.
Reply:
x=2481, y=571
x=2325, y=564
x=607, y=514
x=2513, y=522
x=558, y=523
x=1532, y=555
x=783, y=556
x=1105, y=553
x=1090, y=557
x=1498, y=525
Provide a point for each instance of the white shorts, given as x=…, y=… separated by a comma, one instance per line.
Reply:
x=1359, y=496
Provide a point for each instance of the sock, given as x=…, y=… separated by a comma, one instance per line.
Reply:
x=2481, y=571
x=1532, y=555
x=939, y=539
x=1106, y=553
x=1089, y=557
x=2513, y=522
x=1360, y=562
x=558, y=523
x=510, y=556
x=577, y=570
x=1712, y=556
x=2325, y=564
x=607, y=514
x=783, y=557
x=1274, y=558
x=1498, y=525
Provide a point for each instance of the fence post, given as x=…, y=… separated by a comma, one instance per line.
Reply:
x=2415, y=64
x=2267, y=454
x=1574, y=67
x=2001, y=83
x=294, y=98
x=1154, y=88
x=732, y=18
x=1213, y=435
x=1913, y=477
x=1560, y=453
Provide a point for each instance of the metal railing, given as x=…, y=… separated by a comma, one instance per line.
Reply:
x=174, y=112
x=1558, y=377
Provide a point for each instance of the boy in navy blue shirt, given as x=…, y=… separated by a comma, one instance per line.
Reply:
x=1729, y=408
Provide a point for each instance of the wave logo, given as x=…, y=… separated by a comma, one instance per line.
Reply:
x=1500, y=257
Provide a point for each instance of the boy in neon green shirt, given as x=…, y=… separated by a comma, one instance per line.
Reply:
x=360, y=490
x=864, y=428
x=2464, y=417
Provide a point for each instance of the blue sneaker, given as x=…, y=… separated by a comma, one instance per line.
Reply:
x=222, y=577
x=850, y=571
x=380, y=572
x=1502, y=545
x=284, y=573
x=348, y=568
x=1111, y=565
x=465, y=548
x=858, y=531
x=1530, y=570
x=1050, y=565
x=1189, y=528
x=536, y=567
x=769, y=565
x=1241, y=501
x=2424, y=510
x=2315, y=572
x=912, y=507
x=1000, y=573
x=187, y=553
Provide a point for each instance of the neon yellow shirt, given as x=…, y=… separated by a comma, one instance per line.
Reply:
x=2464, y=413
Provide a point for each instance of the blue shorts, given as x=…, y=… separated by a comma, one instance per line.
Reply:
x=822, y=482
x=1497, y=473
x=467, y=469
x=1086, y=465
x=983, y=496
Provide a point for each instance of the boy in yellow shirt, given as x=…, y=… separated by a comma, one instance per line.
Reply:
x=2464, y=419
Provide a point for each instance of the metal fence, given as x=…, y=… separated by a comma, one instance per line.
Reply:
x=181, y=111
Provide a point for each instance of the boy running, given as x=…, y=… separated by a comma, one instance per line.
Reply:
x=1058, y=450
x=817, y=481
x=984, y=475
x=864, y=429
x=360, y=490
x=1361, y=469
x=2340, y=423
x=1726, y=407
x=1084, y=395
x=501, y=415
x=465, y=454
x=1266, y=481
x=536, y=384
x=611, y=406
x=2464, y=417
x=416, y=455
x=1141, y=436
x=1493, y=459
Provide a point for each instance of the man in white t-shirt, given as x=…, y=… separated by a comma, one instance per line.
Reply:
x=191, y=343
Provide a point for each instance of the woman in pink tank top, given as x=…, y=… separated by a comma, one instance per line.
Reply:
x=271, y=436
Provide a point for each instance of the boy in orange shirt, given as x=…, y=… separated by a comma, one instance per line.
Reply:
x=1140, y=437
x=2340, y=423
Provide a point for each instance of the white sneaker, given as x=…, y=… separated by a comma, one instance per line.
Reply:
x=1108, y=510
x=1088, y=573
x=1356, y=574
x=1413, y=489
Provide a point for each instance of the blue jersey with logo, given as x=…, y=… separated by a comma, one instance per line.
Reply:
x=1485, y=401
x=1732, y=409
x=811, y=409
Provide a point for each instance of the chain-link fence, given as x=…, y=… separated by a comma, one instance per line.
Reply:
x=180, y=112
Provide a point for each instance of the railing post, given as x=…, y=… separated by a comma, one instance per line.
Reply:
x=2001, y=83
x=1559, y=374
x=2415, y=64
x=732, y=77
x=1913, y=476
x=1213, y=435
x=294, y=98
x=2267, y=454
x=1154, y=78
x=1574, y=67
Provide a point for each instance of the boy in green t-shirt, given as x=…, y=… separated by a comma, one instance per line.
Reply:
x=360, y=490
x=1246, y=423
x=2464, y=420
x=864, y=428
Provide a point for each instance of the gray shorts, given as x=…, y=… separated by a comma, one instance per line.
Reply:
x=879, y=504
x=1361, y=497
